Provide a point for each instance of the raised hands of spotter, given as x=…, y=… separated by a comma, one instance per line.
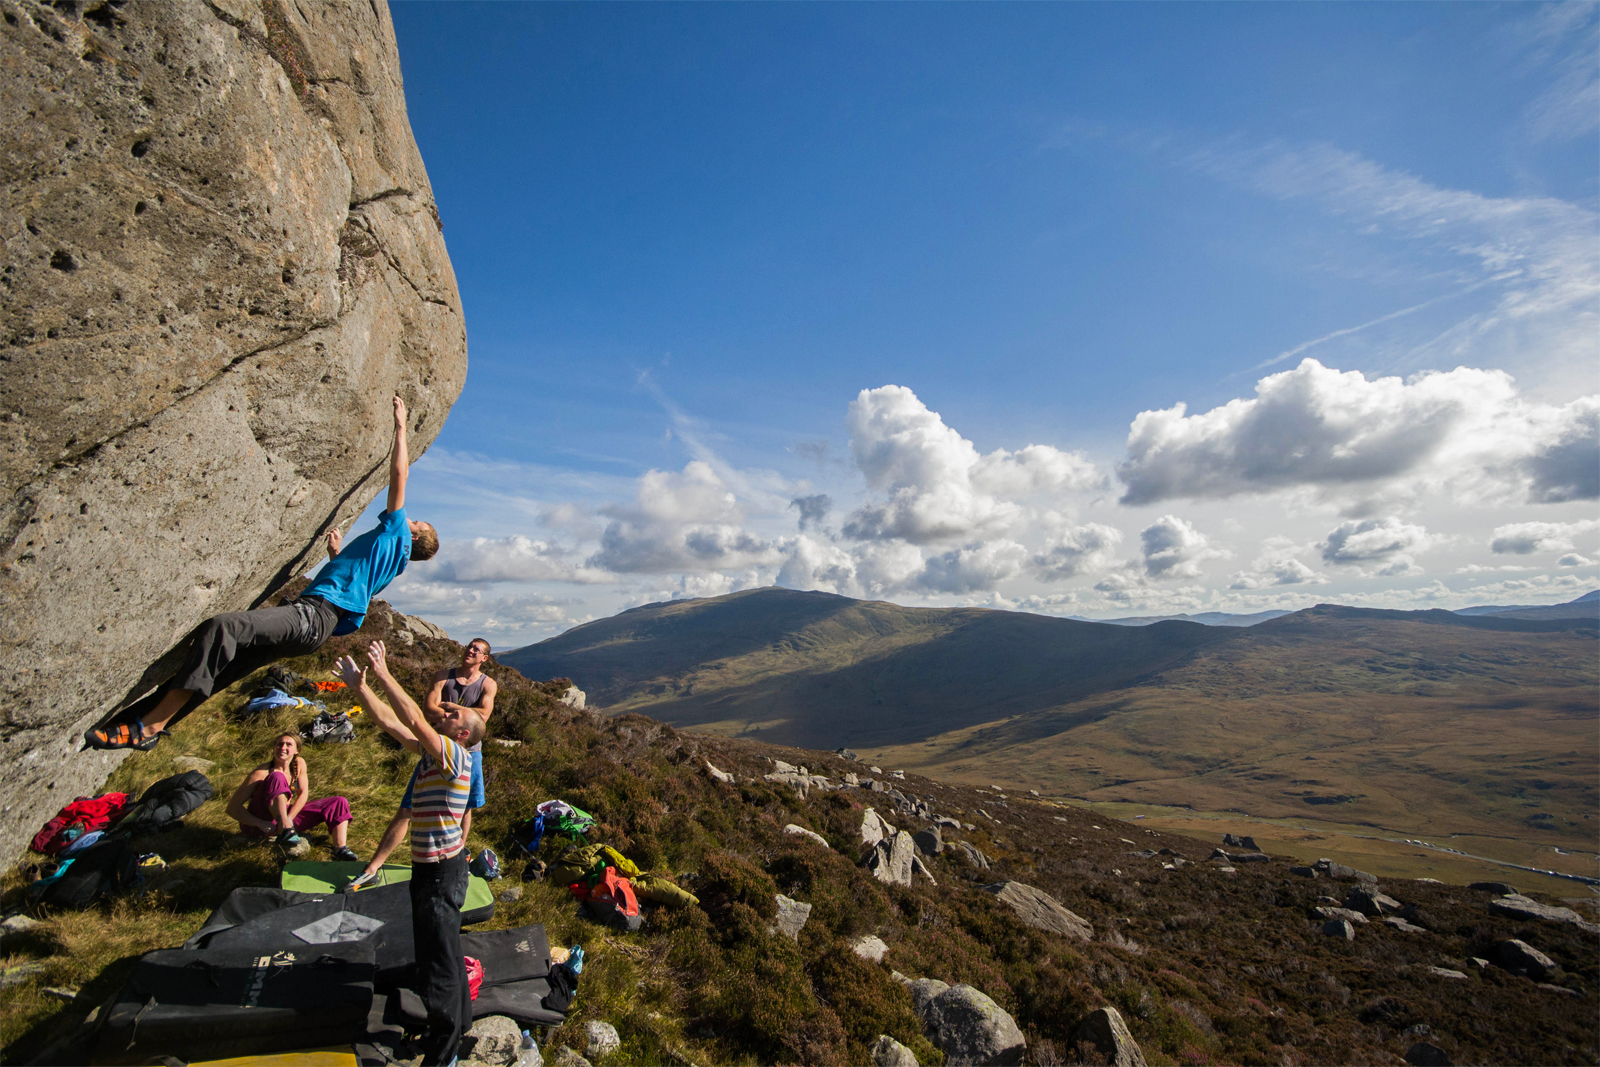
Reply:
x=349, y=672
x=377, y=655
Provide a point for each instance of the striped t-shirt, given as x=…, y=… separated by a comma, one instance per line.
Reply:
x=438, y=801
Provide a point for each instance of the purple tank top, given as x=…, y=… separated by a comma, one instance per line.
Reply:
x=465, y=695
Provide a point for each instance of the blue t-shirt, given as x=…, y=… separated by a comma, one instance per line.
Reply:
x=363, y=567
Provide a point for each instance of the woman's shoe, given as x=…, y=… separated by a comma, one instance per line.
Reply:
x=122, y=735
x=289, y=839
x=346, y=854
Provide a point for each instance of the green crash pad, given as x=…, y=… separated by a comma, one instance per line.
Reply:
x=329, y=876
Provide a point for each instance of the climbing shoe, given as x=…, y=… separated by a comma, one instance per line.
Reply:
x=289, y=839
x=346, y=854
x=122, y=735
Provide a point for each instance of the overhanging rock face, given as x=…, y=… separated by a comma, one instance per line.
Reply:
x=221, y=258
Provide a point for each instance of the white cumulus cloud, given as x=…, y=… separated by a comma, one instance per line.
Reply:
x=973, y=568
x=1076, y=550
x=1175, y=549
x=1314, y=426
x=933, y=485
x=1526, y=538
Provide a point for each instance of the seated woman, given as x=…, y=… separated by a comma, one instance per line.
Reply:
x=275, y=798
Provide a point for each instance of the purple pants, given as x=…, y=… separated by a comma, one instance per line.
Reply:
x=330, y=810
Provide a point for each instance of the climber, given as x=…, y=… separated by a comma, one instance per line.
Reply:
x=457, y=691
x=438, y=861
x=228, y=647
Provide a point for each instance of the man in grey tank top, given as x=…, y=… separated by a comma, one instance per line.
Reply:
x=457, y=693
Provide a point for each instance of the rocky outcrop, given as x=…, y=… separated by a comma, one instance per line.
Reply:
x=221, y=258
x=1516, y=906
x=970, y=1028
x=1041, y=910
x=1105, y=1030
x=890, y=859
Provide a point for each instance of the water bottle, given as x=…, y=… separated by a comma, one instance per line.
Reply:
x=528, y=1055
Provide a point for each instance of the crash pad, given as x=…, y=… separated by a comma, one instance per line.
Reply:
x=329, y=876
x=338, y=1056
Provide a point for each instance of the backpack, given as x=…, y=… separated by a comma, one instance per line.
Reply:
x=563, y=817
x=166, y=802
x=103, y=869
x=528, y=834
x=329, y=726
x=86, y=814
x=613, y=902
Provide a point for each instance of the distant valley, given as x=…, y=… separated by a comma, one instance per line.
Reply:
x=1425, y=724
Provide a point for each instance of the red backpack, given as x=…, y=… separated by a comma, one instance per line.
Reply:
x=612, y=901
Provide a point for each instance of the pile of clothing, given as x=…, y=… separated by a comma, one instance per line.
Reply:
x=609, y=885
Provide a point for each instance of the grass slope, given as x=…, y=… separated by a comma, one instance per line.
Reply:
x=820, y=670
x=1207, y=965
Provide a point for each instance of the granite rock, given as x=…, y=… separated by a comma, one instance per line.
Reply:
x=1106, y=1031
x=226, y=260
x=1039, y=909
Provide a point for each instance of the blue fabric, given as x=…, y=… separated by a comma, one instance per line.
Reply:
x=362, y=568
x=475, y=796
x=405, y=801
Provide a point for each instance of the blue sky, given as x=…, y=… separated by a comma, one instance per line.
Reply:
x=924, y=266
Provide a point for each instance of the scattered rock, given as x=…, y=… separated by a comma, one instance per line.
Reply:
x=850, y=778
x=1423, y=1054
x=869, y=947
x=875, y=770
x=1249, y=857
x=874, y=828
x=1248, y=843
x=890, y=859
x=1445, y=972
x=887, y=1052
x=971, y=1028
x=193, y=763
x=1106, y=1031
x=847, y=754
x=1478, y=962
x=1033, y=792
x=1521, y=907
x=1306, y=872
x=1369, y=900
x=922, y=991
x=792, y=916
x=299, y=849
x=512, y=895
x=1563, y=990
x=1519, y=957
x=507, y=742
x=718, y=774
x=918, y=867
x=22, y=972
x=493, y=1039
x=1040, y=910
x=602, y=1037
x=972, y=854
x=898, y=774
x=1498, y=888
x=61, y=992
x=801, y=831
x=1343, y=873
x=1403, y=926
x=575, y=698
x=780, y=767
x=1340, y=913
x=946, y=822
x=565, y=1057
x=19, y=924
x=929, y=842
x=1339, y=928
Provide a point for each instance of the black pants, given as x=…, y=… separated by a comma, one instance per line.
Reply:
x=438, y=890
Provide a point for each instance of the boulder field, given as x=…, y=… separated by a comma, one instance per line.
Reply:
x=221, y=258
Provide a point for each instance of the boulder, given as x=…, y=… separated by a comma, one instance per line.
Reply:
x=849, y=778
x=1246, y=843
x=19, y=924
x=1339, y=928
x=1039, y=909
x=970, y=1028
x=1369, y=900
x=810, y=835
x=918, y=867
x=1344, y=873
x=792, y=916
x=1445, y=972
x=887, y=1052
x=922, y=991
x=1340, y=913
x=494, y=1040
x=224, y=260
x=780, y=767
x=602, y=1038
x=512, y=895
x=565, y=1057
x=874, y=828
x=890, y=859
x=1105, y=1030
x=1249, y=857
x=1503, y=889
x=1521, y=907
x=869, y=947
x=1400, y=924
x=972, y=854
x=22, y=972
x=1305, y=872
x=574, y=698
x=945, y=822
x=847, y=754
x=1519, y=957
x=717, y=773
x=929, y=842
